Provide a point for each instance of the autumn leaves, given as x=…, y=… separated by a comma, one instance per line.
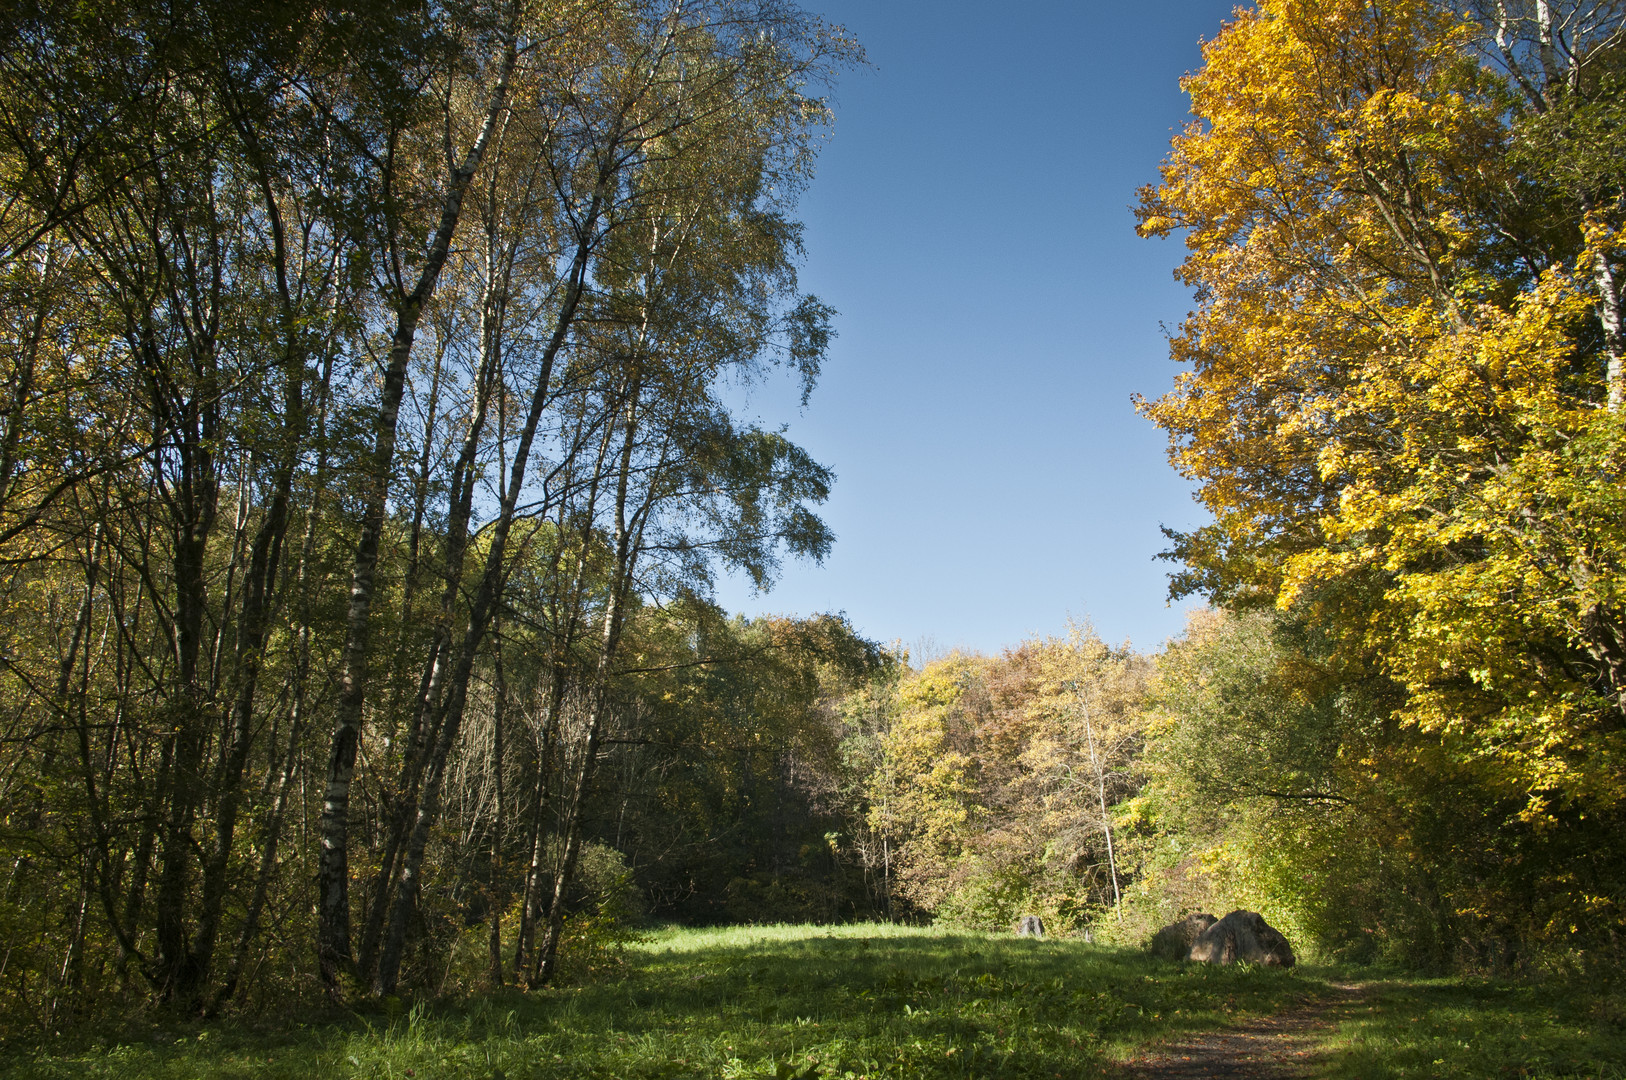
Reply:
x=1404, y=371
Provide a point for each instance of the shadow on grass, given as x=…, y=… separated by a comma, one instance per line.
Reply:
x=845, y=1002
x=1415, y=1027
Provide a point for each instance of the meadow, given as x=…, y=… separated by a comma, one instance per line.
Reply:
x=868, y=1001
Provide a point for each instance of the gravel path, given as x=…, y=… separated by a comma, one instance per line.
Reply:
x=1281, y=1047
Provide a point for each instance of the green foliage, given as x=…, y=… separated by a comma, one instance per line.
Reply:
x=606, y=919
x=380, y=347
x=738, y=721
x=991, y=899
x=1279, y=780
x=1247, y=804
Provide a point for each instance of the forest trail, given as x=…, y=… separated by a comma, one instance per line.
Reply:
x=1287, y=1046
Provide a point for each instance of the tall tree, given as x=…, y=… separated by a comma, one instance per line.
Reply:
x=1399, y=407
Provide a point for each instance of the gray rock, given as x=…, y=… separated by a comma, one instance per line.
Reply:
x=1242, y=936
x=1174, y=941
x=1030, y=926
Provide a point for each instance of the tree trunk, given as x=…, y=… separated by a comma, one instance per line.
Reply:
x=334, y=952
x=481, y=610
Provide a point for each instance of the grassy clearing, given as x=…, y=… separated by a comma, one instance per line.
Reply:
x=839, y=1002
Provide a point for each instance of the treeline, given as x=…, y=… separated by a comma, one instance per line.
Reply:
x=367, y=457
x=1401, y=729
x=366, y=440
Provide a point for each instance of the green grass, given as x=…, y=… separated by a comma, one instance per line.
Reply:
x=847, y=1002
x=1483, y=1028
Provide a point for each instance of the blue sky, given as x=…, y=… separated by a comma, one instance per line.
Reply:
x=970, y=221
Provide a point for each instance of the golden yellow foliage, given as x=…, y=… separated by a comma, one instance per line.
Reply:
x=999, y=773
x=1396, y=382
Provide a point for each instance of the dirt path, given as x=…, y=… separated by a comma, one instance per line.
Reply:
x=1281, y=1047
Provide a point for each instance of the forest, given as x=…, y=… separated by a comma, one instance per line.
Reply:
x=371, y=450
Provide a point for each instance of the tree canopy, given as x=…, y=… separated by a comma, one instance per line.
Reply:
x=1403, y=409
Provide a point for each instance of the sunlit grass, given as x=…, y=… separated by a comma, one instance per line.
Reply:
x=691, y=939
x=837, y=1002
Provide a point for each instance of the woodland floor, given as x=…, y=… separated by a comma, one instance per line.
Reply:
x=874, y=1002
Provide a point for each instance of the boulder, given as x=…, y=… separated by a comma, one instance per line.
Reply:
x=1030, y=926
x=1244, y=936
x=1175, y=940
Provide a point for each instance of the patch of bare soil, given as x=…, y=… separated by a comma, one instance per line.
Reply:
x=1286, y=1046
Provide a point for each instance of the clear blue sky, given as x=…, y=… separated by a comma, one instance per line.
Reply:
x=970, y=221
